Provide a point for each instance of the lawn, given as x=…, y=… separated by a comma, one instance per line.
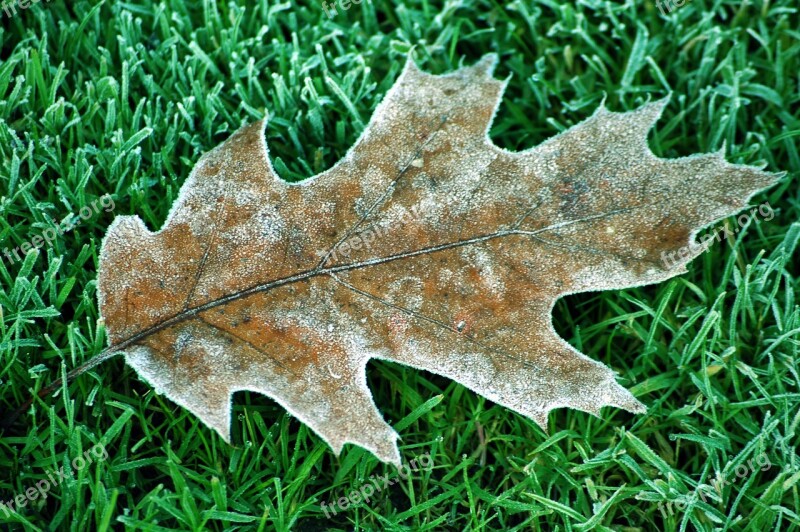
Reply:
x=104, y=109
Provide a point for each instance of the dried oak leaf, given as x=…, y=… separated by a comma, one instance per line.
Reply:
x=425, y=245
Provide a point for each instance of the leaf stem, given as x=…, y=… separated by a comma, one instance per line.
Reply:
x=7, y=420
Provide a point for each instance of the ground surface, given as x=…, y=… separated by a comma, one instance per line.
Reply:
x=121, y=98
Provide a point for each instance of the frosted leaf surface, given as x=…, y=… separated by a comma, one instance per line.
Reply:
x=425, y=245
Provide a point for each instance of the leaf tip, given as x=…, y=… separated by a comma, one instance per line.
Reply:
x=650, y=112
x=410, y=68
x=721, y=151
x=386, y=450
x=485, y=65
x=660, y=103
x=620, y=397
x=540, y=418
x=224, y=433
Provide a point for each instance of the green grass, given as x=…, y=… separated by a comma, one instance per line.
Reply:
x=123, y=97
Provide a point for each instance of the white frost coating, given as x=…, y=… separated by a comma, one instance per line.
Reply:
x=408, y=289
x=436, y=183
x=485, y=263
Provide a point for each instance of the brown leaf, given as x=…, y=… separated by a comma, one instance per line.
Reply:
x=426, y=245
